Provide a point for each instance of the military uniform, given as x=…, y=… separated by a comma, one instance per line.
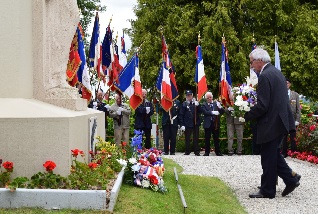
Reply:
x=170, y=123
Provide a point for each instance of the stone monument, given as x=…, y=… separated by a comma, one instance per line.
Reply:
x=41, y=117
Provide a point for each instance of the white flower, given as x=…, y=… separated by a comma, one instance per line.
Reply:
x=132, y=160
x=145, y=183
x=122, y=162
x=241, y=119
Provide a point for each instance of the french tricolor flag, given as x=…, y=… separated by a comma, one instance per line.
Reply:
x=129, y=82
x=199, y=77
x=166, y=93
x=225, y=79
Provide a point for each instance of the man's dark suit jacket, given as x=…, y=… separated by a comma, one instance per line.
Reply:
x=208, y=117
x=272, y=111
x=142, y=119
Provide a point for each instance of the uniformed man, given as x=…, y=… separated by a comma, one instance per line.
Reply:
x=170, y=123
x=190, y=122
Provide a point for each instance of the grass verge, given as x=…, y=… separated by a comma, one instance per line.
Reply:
x=202, y=195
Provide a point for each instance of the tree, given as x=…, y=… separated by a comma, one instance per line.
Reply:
x=292, y=21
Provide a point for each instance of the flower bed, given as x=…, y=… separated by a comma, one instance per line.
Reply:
x=89, y=186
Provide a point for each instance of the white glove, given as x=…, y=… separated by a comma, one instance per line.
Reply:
x=147, y=110
x=196, y=103
x=218, y=104
x=107, y=107
x=296, y=123
x=120, y=109
x=215, y=112
x=230, y=108
x=118, y=112
x=94, y=105
x=182, y=128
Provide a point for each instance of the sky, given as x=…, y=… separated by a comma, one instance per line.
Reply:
x=121, y=11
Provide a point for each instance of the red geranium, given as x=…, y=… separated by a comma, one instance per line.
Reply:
x=8, y=166
x=312, y=127
x=124, y=144
x=244, y=97
x=75, y=152
x=92, y=165
x=49, y=166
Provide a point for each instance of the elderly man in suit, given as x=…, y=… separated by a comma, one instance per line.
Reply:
x=211, y=123
x=295, y=107
x=189, y=119
x=274, y=119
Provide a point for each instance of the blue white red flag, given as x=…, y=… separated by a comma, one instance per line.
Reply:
x=226, y=94
x=277, y=60
x=82, y=73
x=122, y=55
x=129, y=82
x=95, y=49
x=199, y=77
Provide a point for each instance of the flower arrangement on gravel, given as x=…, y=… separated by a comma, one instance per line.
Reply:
x=145, y=168
x=244, y=98
x=95, y=175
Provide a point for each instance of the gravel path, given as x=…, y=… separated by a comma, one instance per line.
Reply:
x=242, y=174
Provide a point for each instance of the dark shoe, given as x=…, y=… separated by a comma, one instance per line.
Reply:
x=258, y=195
x=298, y=176
x=259, y=187
x=219, y=154
x=285, y=155
x=197, y=154
x=166, y=153
x=288, y=189
x=206, y=154
x=239, y=153
x=172, y=153
x=230, y=154
x=186, y=153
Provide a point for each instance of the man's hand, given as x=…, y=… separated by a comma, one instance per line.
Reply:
x=147, y=110
x=215, y=112
x=120, y=108
x=218, y=104
x=182, y=128
x=296, y=123
x=196, y=103
x=230, y=108
x=118, y=112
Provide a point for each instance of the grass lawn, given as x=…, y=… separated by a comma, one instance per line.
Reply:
x=202, y=195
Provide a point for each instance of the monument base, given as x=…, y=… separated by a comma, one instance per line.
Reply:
x=32, y=132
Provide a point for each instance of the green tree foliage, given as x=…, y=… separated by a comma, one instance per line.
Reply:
x=294, y=22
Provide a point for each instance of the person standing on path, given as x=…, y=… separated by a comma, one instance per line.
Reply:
x=274, y=119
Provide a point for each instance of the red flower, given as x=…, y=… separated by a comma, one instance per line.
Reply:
x=49, y=166
x=153, y=179
x=8, y=166
x=309, y=115
x=244, y=97
x=75, y=152
x=312, y=127
x=92, y=165
x=124, y=144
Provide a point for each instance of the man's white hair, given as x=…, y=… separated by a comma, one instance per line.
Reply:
x=207, y=94
x=260, y=54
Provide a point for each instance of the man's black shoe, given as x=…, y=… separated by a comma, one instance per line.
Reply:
x=258, y=195
x=172, y=153
x=230, y=154
x=288, y=189
x=197, y=154
x=298, y=176
x=166, y=153
x=186, y=153
x=219, y=154
x=206, y=154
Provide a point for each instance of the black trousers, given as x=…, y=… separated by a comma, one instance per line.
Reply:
x=188, y=132
x=216, y=140
x=256, y=148
x=169, y=135
x=274, y=164
x=147, y=133
x=293, y=146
